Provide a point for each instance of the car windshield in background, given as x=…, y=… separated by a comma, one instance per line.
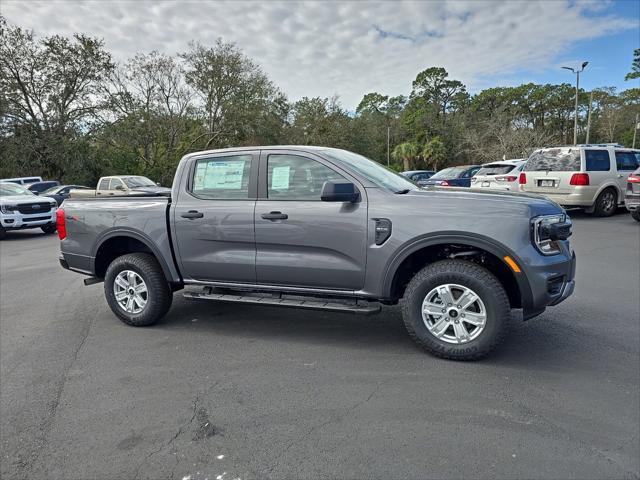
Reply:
x=7, y=189
x=554, y=160
x=372, y=171
x=451, y=172
x=495, y=169
x=51, y=191
x=133, y=182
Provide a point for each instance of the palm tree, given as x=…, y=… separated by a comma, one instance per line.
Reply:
x=434, y=152
x=406, y=152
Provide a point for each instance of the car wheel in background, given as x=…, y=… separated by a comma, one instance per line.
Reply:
x=50, y=228
x=3, y=233
x=606, y=204
x=136, y=289
x=636, y=215
x=456, y=309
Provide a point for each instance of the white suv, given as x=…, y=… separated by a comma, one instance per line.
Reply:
x=502, y=175
x=593, y=177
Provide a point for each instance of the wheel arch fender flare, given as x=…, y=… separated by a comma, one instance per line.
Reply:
x=170, y=273
x=454, y=237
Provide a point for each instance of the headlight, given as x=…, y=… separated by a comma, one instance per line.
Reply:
x=547, y=230
x=8, y=208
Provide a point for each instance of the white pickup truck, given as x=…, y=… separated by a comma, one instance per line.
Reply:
x=21, y=208
x=121, y=185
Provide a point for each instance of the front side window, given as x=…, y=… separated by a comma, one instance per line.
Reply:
x=626, y=161
x=115, y=183
x=597, y=160
x=292, y=177
x=222, y=178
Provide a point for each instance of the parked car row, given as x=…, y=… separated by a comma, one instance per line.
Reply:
x=596, y=177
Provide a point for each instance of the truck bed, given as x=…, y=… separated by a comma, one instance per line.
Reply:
x=92, y=222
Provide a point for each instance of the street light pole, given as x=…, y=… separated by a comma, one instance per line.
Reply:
x=575, y=118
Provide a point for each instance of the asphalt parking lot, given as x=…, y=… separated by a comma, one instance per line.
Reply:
x=225, y=392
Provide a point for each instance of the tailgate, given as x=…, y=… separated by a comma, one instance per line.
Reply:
x=548, y=182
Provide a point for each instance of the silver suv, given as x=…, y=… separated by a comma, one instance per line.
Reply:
x=593, y=177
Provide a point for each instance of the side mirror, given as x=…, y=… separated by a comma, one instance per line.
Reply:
x=339, y=192
x=119, y=187
x=158, y=184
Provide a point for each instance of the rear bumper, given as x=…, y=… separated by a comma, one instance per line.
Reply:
x=552, y=282
x=578, y=199
x=632, y=202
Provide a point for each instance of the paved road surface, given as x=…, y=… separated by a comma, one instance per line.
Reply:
x=245, y=392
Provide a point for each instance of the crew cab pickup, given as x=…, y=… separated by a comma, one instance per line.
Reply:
x=121, y=185
x=322, y=228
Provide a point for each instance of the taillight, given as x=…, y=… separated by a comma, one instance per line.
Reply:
x=61, y=226
x=633, y=179
x=444, y=183
x=579, y=179
x=522, y=180
x=508, y=178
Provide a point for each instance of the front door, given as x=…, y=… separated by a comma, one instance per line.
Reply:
x=213, y=219
x=302, y=241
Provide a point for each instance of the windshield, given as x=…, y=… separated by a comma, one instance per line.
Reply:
x=133, y=182
x=451, y=172
x=7, y=189
x=372, y=171
x=495, y=169
x=554, y=160
x=51, y=191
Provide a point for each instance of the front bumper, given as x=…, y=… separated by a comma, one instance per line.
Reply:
x=18, y=221
x=551, y=280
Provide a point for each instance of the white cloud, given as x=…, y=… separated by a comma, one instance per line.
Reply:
x=345, y=48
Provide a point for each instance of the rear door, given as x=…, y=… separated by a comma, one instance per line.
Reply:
x=302, y=241
x=600, y=166
x=213, y=218
x=626, y=163
x=103, y=187
x=550, y=170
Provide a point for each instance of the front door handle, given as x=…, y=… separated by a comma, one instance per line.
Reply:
x=192, y=214
x=275, y=216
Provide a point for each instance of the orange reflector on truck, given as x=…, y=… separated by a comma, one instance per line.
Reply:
x=514, y=266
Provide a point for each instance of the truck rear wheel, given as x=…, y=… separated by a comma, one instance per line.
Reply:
x=136, y=289
x=456, y=309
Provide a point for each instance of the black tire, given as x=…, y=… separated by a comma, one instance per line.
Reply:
x=3, y=233
x=469, y=275
x=603, y=207
x=635, y=214
x=159, y=295
x=50, y=228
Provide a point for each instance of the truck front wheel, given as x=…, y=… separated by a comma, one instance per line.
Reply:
x=456, y=309
x=136, y=289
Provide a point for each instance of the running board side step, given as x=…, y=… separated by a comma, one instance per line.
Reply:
x=278, y=300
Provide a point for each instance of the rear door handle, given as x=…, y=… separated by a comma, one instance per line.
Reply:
x=275, y=216
x=192, y=214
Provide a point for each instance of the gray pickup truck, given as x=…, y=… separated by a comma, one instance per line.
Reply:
x=322, y=228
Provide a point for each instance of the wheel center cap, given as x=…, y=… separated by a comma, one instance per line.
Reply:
x=131, y=291
x=453, y=313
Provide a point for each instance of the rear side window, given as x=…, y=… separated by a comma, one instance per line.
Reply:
x=597, y=160
x=554, y=160
x=104, y=184
x=222, y=178
x=626, y=161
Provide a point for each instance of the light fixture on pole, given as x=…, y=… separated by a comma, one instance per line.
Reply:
x=575, y=119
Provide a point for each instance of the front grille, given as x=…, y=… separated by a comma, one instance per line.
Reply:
x=28, y=209
x=35, y=219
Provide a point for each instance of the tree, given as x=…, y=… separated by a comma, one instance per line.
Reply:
x=434, y=152
x=635, y=66
x=435, y=87
x=406, y=152
x=52, y=96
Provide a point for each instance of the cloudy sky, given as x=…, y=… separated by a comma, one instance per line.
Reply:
x=319, y=48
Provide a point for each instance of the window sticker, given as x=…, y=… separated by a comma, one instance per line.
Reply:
x=220, y=175
x=280, y=178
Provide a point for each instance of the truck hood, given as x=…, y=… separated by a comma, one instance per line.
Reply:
x=24, y=199
x=476, y=201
